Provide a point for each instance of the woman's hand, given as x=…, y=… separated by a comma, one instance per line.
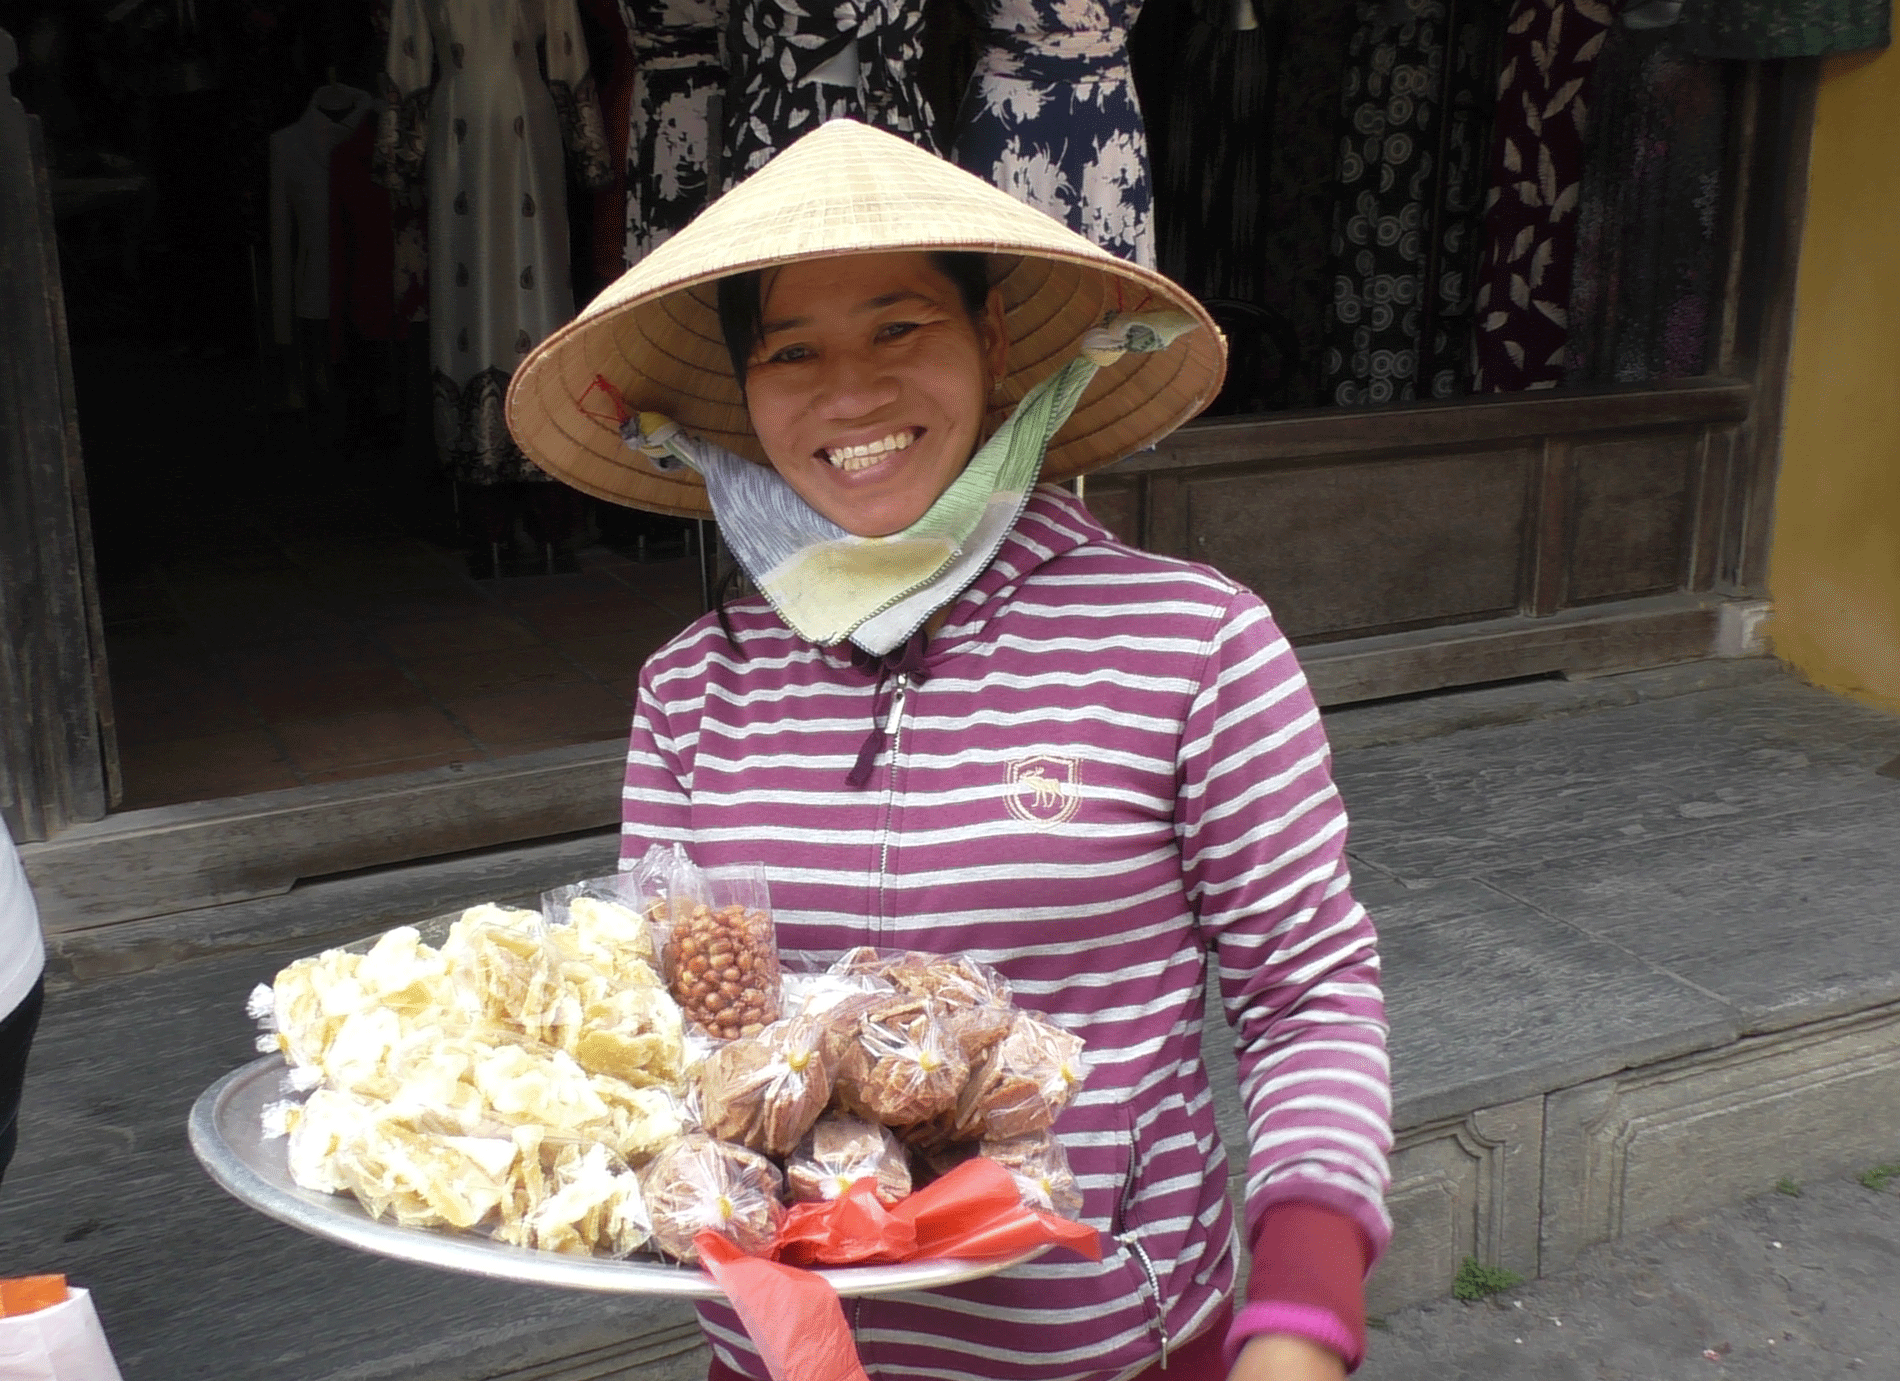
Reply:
x=1284, y=1357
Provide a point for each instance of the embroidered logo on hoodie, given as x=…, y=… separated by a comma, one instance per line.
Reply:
x=1044, y=791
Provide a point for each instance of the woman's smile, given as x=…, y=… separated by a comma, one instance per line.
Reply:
x=853, y=457
x=869, y=385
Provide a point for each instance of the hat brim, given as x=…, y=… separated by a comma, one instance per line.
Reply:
x=654, y=335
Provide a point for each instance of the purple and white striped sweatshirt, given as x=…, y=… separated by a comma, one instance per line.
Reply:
x=1110, y=772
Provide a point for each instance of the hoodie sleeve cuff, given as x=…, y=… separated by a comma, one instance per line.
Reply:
x=1300, y=1320
x=1308, y=1278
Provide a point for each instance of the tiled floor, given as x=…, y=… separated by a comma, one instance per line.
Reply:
x=239, y=673
x=286, y=606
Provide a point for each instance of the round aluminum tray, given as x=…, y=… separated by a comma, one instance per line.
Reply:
x=227, y=1135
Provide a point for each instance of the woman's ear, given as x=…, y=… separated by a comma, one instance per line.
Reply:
x=995, y=336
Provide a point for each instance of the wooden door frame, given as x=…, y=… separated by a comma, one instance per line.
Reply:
x=58, y=756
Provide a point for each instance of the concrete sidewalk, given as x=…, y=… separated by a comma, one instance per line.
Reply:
x=1617, y=915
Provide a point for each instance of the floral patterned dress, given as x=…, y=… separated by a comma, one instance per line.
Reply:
x=677, y=72
x=486, y=134
x=779, y=47
x=1050, y=116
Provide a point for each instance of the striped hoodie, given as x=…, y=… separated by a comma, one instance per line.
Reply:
x=1108, y=774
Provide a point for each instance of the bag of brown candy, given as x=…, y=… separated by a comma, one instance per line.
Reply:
x=1022, y=1085
x=699, y=1184
x=903, y=1066
x=765, y=1090
x=839, y=1151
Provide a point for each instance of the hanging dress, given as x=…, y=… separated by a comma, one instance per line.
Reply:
x=1050, y=116
x=1521, y=332
x=1645, y=301
x=784, y=54
x=676, y=74
x=1405, y=202
x=487, y=135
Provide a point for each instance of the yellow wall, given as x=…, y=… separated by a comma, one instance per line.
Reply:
x=1834, y=571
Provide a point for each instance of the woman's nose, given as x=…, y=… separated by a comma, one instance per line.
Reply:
x=853, y=384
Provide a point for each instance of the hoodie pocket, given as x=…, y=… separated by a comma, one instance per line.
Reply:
x=1126, y=1230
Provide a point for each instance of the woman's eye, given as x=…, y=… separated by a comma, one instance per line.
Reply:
x=789, y=354
x=893, y=330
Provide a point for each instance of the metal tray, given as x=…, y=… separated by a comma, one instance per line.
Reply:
x=227, y=1136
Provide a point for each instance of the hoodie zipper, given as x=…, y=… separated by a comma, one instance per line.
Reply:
x=893, y=731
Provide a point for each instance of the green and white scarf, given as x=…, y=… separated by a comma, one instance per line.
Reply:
x=828, y=584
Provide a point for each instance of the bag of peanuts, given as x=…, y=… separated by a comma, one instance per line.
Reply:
x=720, y=954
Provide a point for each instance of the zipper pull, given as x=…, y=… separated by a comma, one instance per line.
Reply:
x=897, y=705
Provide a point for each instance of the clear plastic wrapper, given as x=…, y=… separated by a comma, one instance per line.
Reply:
x=604, y=916
x=623, y=1021
x=1040, y=1168
x=518, y=1186
x=840, y=1150
x=721, y=955
x=976, y=1000
x=902, y=1068
x=700, y=1184
x=1022, y=1085
x=506, y=969
x=765, y=1091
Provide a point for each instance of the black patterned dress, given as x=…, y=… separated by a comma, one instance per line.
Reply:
x=1405, y=205
x=677, y=71
x=778, y=46
x=472, y=114
x=1051, y=117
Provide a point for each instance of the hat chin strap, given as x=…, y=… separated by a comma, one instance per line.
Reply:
x=830, y=585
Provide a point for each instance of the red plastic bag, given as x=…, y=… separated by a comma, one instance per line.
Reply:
x=974, y=1213
x=793, y=1317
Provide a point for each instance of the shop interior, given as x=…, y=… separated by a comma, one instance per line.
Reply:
x=305, y=578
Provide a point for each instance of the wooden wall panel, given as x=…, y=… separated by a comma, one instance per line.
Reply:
x=1116, y=505
x=1630, y=526
x=1371, y=547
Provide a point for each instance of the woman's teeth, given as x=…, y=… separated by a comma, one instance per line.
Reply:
x=850, y=458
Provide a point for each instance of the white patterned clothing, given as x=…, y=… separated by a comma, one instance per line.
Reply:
x=782, y=56
x=488, y=138
x=1050, y=116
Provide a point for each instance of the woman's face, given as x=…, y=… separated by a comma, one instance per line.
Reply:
x=869, y=383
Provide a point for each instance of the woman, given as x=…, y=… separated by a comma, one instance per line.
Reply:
x=963, y=718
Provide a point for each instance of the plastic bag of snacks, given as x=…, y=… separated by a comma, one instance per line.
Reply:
x=502, y=1083
x=976, y=1002
x=720, y=956
x=519, y=1185
x=839, y=1151
x=606, y=911
x=699, y=1184
x=765, y=1090
x=1022, y=1085
x=624, y=1022
x=903, y=1066
x=1041, y=1170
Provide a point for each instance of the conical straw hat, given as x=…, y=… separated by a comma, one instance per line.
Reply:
x=846, y=188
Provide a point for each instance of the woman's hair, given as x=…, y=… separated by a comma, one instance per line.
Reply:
x=742, y=308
